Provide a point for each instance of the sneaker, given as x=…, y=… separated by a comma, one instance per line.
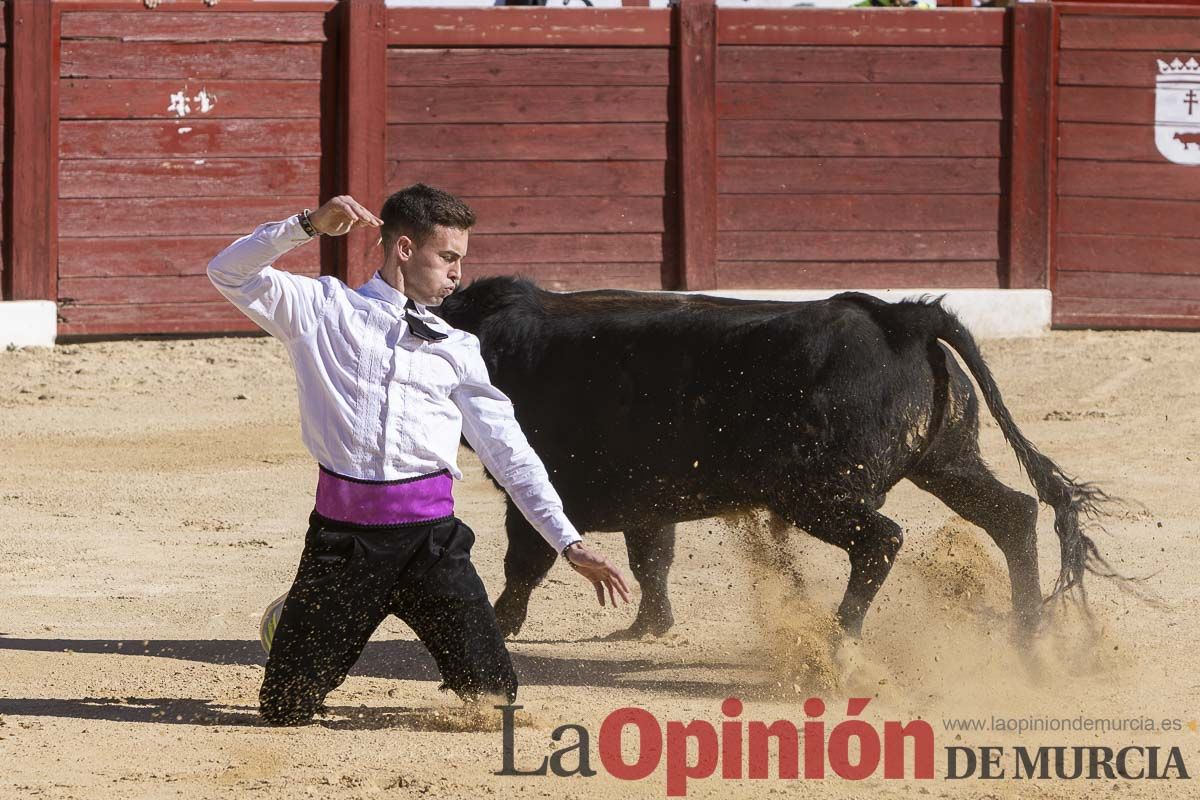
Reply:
x=270, y=620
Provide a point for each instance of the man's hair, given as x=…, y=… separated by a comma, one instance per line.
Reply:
x=416, y=210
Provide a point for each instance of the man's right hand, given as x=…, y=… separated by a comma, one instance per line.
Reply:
x=342, y=214
x=599, y=570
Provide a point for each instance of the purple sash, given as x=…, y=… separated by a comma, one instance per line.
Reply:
x=385, y=503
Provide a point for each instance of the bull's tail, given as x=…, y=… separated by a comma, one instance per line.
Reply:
x=1073, y=501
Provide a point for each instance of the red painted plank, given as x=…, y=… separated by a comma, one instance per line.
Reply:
x=109, y=290
x=1129, y=285
x=1102, y=142
x=30, y=250
x=933, y=65
x=1090, y=104
x=252, y=61
x=361, y=128
x=147, y=256
x=1137, y=68
x=504, y=142
x=1157, y=255
x=568, y=214
x=697, y=127
x=527, y=104
x=1132, y=8
x=859, y=246
x=210, y=138
x=128, y=319
x=589, y=66
x=1089, y=312
x=535, y=178
x=1030, y=187
x=1134, y=217
x=576, y=276
x=1180, y=32
x=1162, y=181
x=823, y=212
x=858, y=275
x=878, y=101
x=183, y=177
x=489, y=249
x=863, y=175
x=522, y=27
x=229, y=217
x=1052, y=154
x=188, y=26
x=853, y=138
x=864, y=27
x=166, y=6
x=1077, y=321
x=151, y=99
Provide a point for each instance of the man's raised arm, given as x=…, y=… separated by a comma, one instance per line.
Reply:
x=283, y=304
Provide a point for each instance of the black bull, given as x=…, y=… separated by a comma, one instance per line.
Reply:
x=651, y=409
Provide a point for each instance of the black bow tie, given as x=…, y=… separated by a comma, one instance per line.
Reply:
x=419, y=328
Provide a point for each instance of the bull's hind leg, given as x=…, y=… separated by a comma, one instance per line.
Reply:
x=526, y=563
x=870, y=539
x=651, y=552
x=969, y=488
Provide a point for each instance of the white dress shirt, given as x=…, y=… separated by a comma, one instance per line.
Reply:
x=377, y=402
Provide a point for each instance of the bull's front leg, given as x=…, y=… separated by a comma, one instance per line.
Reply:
x=526, y=563
x=651, y=552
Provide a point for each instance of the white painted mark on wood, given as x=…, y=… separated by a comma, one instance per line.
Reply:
x=180, y=104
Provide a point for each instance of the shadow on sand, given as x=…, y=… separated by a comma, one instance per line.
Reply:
x=397, y=659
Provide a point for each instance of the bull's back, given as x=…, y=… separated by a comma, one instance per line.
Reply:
x=684, y=405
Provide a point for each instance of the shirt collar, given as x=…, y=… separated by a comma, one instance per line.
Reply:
x=380, y=289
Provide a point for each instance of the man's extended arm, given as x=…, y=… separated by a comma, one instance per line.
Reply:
x=492, y=429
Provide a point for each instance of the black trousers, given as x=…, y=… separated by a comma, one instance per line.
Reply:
x=350, y=578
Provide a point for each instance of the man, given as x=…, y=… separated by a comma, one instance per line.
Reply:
x=386, y=389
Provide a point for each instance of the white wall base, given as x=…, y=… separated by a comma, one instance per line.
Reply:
x=28, y=323
x=989, y=313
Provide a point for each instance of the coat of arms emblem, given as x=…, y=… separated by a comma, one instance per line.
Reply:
x=1177, y=111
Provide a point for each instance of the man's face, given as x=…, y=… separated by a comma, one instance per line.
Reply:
x=433, y=269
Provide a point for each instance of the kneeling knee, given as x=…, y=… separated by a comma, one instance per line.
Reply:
x=284, y=715
x=484, y=686
x=280, y=710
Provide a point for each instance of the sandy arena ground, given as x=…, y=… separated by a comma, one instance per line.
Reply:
x=153, y=499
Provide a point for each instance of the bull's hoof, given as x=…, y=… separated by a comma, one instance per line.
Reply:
x=1027, y=623
x=644, y=625
x=509, y=619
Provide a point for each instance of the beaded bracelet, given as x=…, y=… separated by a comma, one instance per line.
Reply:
x=307, y=225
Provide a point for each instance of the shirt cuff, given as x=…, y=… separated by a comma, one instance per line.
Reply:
x=567, y=542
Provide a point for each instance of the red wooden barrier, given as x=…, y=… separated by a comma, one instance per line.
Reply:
x=861, y=148
x=558, y=127
x=179, y=131
x=634, y=147
x=1127, y=248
